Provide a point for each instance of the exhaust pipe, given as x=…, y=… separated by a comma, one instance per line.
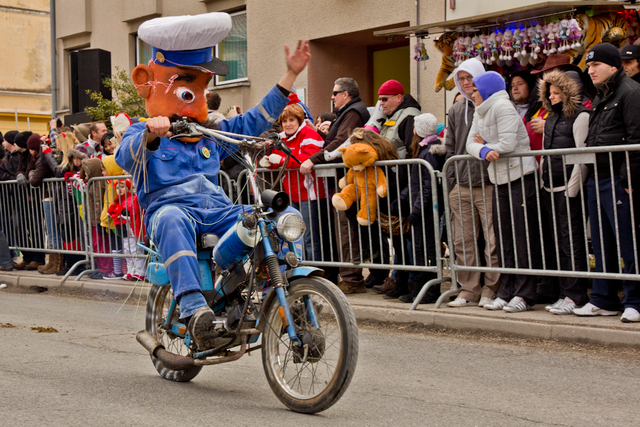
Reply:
x=170, y=360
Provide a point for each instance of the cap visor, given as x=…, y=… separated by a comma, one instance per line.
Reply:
x=216, y=66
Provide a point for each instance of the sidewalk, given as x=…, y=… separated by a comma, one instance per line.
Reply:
x=537, y=323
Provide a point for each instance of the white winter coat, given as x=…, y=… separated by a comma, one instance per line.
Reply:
x=500, y=125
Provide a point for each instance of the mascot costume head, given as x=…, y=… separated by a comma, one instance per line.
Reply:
x=174, y=83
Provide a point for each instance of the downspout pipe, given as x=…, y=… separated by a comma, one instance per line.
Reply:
x=54, y=67
x=417, y=62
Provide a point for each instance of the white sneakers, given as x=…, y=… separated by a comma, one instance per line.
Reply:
x=554, y=305
x=484, y=301
x=591, y=310
x=516, y=305
x=496, y=304
x=630, y=315
x=566, y=306
x=460, y=302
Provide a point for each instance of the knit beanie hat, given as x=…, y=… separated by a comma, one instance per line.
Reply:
x=391, y=87
x=33, y=143
x=605, y=53
x=426, y=125
x=21, y=139
x=10, y=136
x=489, y=83
x=1, y=138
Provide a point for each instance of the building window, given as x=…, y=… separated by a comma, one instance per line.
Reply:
x=143, y=52
x=233, y=50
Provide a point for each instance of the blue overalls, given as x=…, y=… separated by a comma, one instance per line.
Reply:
x=181, y=195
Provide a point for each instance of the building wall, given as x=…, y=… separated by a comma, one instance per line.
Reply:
x=25, y=79
x=467, y=8
x=112, y=24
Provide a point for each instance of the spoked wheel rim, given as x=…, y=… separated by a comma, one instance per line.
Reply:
x=172, y=343
x=298, y=378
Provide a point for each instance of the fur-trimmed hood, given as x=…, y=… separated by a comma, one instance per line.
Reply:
x=437, y=148
x=77, y=154
x=569, y=89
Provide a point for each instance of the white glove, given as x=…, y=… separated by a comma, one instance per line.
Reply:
x=264, y=162
x=378, y=117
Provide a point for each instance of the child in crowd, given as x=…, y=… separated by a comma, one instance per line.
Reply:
x=496, y=130
x=426, y=146
x=108, y=144
x=126, y=211
x=93, y=168
x=114, y=233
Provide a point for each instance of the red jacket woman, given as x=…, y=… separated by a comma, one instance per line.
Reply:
x=303, y=142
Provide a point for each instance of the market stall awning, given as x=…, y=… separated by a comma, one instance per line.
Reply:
x=524, y=15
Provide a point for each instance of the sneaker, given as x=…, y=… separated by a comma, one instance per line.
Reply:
x=496, y=304
x=630, y=315
x=554, y=305
x=113, y=276
x=484, y=301
x=516, y=305
x=202, y=328
x=347, y=288
x=591, y=310
x=565, y=307
x=460, y=302
x=96, y=275
x=127, y=277
x=138, y=277
x=6, y=268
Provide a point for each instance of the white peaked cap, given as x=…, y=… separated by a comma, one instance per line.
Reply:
x=187, y=41
x=186, y=32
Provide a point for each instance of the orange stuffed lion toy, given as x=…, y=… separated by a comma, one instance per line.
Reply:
x=368, y=180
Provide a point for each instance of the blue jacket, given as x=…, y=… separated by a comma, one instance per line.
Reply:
x=182, y=174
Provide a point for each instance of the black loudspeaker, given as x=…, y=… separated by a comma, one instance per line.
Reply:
x=89, y=68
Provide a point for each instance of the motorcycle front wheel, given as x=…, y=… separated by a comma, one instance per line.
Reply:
x=313, y=379
x=158, y=308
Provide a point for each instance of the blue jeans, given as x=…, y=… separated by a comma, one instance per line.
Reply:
x=604, y=292
x=53, y=235
x=309, y=211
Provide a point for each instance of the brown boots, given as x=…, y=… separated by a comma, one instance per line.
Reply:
x=56, y=263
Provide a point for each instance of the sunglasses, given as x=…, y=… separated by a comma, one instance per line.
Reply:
x=336, y=92
x=383, y=99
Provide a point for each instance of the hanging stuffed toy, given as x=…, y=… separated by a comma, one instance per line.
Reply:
x=369, y=180
x=421, y=53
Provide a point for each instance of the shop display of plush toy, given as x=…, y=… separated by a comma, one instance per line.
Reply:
x=369, y=180
x=529, y=45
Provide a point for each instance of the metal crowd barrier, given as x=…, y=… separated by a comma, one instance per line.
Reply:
x=60, y=217
x=333, y=246
x=537, y=250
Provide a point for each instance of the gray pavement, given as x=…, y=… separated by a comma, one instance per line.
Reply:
x=537, y=323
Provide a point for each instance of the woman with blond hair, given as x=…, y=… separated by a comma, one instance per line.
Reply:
x=566, y=126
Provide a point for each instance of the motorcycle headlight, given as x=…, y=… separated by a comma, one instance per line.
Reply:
x=290, y=227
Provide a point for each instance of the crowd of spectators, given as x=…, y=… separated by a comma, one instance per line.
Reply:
x=524, y=212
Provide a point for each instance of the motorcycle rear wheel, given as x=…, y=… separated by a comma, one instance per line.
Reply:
x=158, y=304
x=313, y=384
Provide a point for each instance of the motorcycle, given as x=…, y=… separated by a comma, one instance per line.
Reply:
x=252, y=279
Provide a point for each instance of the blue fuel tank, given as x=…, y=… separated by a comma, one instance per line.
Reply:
x=234, y=245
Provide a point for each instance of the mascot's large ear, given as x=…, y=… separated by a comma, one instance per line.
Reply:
x=141, y=75
x=342, y=150
x=362, y=150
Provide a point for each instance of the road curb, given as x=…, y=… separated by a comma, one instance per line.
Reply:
x=514, y=328
x=432, y=318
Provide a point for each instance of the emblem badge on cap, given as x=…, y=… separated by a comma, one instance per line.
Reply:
x=205, y=152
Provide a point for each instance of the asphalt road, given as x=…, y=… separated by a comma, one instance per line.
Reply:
x=93, y=372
